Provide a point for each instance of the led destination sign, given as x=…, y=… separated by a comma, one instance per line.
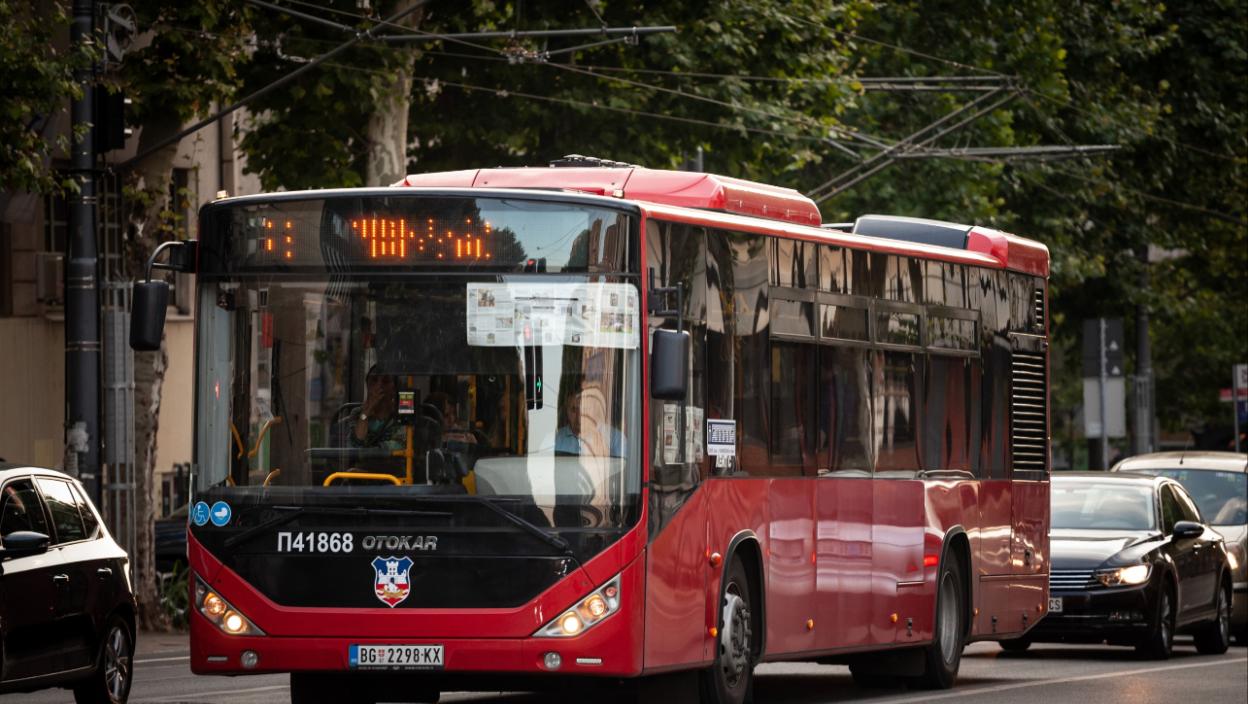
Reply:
x=341, y=233
x=392, y=238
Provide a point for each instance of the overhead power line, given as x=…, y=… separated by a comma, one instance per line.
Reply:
x=359, y=37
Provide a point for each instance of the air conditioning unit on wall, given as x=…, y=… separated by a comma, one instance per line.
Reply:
x=50, y=278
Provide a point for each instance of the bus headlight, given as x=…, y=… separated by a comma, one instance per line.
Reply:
x=221, y=613
x=595, y=607
x=1124, y=576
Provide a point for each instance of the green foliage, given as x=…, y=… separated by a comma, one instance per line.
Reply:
x=1167, y=84
x=36, y=81
x=175, y=595
x=472, y=106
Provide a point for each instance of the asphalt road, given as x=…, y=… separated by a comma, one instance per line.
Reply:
x=1099, y=674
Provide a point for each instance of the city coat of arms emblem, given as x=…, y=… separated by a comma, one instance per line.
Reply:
x=391, y=582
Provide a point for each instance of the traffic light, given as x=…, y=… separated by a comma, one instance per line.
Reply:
x=110, y=120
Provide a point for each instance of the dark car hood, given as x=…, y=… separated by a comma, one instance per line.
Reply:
x=1087, y=549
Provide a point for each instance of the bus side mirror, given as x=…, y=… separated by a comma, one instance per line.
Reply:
x=669, y=365
x=147, y=319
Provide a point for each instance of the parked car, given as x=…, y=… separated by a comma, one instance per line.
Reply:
x=66, y=607
x=1131, y=563
x=1218, y=482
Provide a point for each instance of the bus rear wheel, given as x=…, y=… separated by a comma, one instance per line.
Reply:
x=942, y=658
x=730, y=679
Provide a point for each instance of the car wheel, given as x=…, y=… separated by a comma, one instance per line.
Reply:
x=942, y=658
x=109, y=683
x=730, y=679
x=1214, y=637
x=1159, y=640
x=1015, y=645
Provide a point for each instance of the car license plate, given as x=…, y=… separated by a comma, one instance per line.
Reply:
x=1055, y=605
x=395, y=657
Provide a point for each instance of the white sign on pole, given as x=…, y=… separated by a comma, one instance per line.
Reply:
x=1241, y=376
x=1115, y=401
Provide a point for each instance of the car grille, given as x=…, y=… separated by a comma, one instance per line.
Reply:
x=1071, y=579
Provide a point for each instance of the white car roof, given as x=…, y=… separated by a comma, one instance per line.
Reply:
x=1186, y=459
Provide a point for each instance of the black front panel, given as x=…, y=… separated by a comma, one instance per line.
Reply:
x=367, y=548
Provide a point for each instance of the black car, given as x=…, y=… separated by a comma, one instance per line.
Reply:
x=66, y=608
x=1132, y=563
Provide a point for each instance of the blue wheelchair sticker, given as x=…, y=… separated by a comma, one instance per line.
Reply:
x=199, y=514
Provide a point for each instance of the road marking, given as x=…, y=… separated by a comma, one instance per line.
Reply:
x=1063, y=680
x=171, y=659
x=194, y=696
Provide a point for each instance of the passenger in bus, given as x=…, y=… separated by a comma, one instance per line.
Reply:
x=584, y=431
x=457, y=434
x=376, y=424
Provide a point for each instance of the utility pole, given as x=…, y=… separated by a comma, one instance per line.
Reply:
x=82, y=322
x=1143, y=365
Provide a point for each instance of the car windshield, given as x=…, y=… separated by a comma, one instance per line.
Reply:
x=1102, y=506
x=1221, y=496
x=434, y=375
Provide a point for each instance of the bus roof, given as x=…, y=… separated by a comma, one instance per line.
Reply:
x=694, y=191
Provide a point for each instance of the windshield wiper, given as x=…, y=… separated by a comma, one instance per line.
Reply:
x=533, y=529
x=293, y=512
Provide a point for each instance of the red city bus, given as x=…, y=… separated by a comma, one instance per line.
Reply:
x=515, y=428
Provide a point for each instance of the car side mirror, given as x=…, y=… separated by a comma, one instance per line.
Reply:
x=669, y=365
x=1188, y=529
x=24, y=542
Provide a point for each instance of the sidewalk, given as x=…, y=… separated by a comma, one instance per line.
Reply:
x=160, y=644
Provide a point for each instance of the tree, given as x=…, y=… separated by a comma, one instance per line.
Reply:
x=188, y=65
x=36, y=82
x=1166, y=82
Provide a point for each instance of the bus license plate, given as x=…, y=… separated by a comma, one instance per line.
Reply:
x=1055, y=605
x=395, y=657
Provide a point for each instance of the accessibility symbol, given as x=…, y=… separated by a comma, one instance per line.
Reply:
x=199, y=514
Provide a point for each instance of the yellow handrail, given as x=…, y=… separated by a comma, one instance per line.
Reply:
x=408, y=453
x=264, y=431
x=362, y=475
x=272, y=475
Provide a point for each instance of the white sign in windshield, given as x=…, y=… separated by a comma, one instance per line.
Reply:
x=580, y=315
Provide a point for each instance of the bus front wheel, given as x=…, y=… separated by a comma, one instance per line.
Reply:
x=730, y=679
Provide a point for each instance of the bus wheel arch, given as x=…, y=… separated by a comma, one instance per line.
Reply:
x=957, y=546
x=738, y=639
x=745, y=547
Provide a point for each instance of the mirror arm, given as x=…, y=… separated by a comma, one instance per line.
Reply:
x=180, y=250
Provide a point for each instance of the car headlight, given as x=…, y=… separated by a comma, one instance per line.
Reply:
x=221, y=613
x=595, y=607
x=1124, y=576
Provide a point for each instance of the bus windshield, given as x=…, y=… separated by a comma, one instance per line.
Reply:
x=321, y=373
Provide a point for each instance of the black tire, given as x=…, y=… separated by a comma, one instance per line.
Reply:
x=1214, y=637
x=1158, y=643
x=943, y=657
x=110, y=682
x=1015, y=645
x=730, y=679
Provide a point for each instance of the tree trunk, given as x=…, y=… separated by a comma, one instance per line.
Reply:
x=387, y=125
x=148, y=193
